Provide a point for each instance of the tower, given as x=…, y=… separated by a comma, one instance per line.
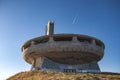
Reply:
x=50, y=28
x=63, y=52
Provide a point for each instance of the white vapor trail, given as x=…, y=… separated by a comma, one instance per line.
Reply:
x=74, y=20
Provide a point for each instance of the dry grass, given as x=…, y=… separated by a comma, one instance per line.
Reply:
x=52, y=75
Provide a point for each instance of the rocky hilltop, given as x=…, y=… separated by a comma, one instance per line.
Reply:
x=52, y=75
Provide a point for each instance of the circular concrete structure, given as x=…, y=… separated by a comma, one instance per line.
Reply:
x=64, y=51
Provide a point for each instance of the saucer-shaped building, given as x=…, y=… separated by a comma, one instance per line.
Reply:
x=63, y=52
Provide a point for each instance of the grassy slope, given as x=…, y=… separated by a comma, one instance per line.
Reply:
x=52, y=75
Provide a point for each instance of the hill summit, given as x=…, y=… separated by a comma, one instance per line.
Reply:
x=53, y=75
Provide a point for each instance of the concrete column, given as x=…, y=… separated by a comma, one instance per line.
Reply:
x=74, y=39
x=50, y=39
x=23, y=49
x=37, y=63
x=33, y=64
x=93, y=42
x=32, y=43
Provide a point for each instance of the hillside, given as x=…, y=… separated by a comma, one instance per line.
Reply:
x=52, y=75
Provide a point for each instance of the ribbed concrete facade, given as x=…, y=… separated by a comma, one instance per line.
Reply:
x=48, y=64
x=64, y=52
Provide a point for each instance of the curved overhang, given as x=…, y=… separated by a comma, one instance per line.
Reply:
x=86, y=37
x=64, y=48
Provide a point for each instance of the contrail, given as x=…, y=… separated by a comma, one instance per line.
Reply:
x=74, y=20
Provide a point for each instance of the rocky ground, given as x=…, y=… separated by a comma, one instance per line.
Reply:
x=52, y=75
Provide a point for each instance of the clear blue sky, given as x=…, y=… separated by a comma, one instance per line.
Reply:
x=21, y=20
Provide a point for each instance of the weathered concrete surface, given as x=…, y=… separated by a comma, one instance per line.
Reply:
x=64, y=49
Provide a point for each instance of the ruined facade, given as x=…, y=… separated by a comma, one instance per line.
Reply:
x=63, y=52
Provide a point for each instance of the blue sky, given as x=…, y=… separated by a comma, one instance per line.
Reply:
x=21, y=20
